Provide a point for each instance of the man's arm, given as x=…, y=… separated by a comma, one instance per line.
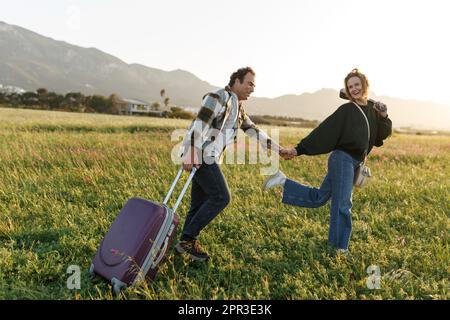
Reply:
x=198, y=131
x=252, y=130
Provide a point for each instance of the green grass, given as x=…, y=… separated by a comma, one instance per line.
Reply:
x=64, y=177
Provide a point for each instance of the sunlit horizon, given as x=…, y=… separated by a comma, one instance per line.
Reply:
x=294, y=47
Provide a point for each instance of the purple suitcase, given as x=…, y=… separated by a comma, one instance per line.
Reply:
x=138, y=240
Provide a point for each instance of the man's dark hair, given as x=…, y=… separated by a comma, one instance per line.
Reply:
x=240, y=74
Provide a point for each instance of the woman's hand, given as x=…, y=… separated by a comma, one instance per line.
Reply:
x=288, y=154
x=381, y=108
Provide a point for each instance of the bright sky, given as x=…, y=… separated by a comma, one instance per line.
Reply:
x=403, y=46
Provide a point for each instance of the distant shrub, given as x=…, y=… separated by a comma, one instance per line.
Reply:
x=179, y=113
x=284, y=121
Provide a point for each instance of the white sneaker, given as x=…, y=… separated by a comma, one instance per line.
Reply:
x=274, y=180
x=342, y=252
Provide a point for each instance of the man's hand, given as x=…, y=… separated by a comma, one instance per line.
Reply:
x=190, y=160
x=288, y=154
x=381, y=108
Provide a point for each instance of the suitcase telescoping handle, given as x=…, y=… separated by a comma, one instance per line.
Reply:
x=183, y=191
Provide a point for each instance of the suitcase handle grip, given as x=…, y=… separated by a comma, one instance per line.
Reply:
x=162, y=254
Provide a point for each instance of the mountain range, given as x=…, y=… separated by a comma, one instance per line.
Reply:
x=29, y=60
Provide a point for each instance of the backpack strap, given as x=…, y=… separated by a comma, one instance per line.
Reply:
x=368, y=129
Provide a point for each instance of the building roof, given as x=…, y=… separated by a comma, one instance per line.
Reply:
x=135, y=101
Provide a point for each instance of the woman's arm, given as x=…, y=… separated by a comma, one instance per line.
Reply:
x=384, y=124
x=325, y=137
x=384, y=129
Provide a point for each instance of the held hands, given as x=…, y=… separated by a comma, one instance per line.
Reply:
x=381, y=108
x=288, y=154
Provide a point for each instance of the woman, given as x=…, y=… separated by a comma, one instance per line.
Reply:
x=345, y=135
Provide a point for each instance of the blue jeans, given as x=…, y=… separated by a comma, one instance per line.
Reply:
x=337, y=185
x=209, y=196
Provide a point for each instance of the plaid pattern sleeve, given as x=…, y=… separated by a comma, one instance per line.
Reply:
x=250, y=129
x=198, y=131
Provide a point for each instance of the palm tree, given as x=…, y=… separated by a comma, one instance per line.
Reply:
x=166, y=102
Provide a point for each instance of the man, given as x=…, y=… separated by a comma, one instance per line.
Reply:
x=211, y=132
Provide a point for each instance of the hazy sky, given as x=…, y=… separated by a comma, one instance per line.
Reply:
x=403, y=46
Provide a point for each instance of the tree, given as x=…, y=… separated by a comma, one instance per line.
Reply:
x=99, y=103
x=72, y=101
x=42, y=95
x=55, y=101
x=14, y=99
x=42, y=92
x=166, y=102
x=30, y=98
x=116, y=103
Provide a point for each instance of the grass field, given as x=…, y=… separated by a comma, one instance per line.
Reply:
x=65, y=176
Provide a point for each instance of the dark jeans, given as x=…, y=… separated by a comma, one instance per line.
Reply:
x=209, y=196
x=337, y=185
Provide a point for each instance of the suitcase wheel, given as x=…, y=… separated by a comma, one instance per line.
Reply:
x=118, y=286
x=91, y=271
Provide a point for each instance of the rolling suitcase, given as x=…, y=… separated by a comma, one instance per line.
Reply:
x=138, y=240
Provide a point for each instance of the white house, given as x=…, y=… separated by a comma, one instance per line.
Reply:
x=134, y=106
